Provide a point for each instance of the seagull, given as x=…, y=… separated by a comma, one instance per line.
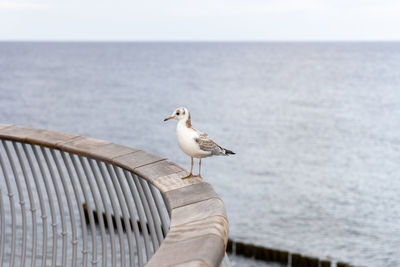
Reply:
x=193, y=142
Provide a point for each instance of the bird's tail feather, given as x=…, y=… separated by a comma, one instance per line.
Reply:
x=227, y=152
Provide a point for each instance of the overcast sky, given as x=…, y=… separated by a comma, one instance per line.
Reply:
x=200, y=20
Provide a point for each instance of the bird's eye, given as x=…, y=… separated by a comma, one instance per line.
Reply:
x=177, y=113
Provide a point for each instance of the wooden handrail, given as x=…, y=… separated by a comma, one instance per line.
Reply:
x=199, y=226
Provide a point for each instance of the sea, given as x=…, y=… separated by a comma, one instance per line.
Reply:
x=315, y=127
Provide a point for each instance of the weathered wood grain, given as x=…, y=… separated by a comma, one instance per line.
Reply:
x=175, y=181
x=136, y=159
x=205, y=248
x=159, y=169
x=195, y=263
x=49, y=138
x=16, y=133
x=82, y=145
x=2, y=126
x=111, y=151
x=198, y=211
x=190, y=194
x=214, y=225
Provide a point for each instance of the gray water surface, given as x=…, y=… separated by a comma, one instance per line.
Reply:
x=315, y=127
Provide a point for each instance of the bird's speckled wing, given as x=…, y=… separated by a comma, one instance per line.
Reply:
x=206, y=144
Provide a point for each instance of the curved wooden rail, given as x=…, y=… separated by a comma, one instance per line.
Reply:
x=198, y=231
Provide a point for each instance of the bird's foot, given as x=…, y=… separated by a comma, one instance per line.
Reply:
x=189, y=176
x=198, y=175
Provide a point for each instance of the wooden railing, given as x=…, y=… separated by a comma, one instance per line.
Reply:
x=65, y=191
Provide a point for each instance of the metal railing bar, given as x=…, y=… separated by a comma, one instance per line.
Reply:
x=69, y=204
x=98, y=208
x=161, y=213
x=106, y=210
x=41, y=203
x=153, y=210
x=168, y=208
x=12, y=210
x=51, y=205
x=114, y=206
x=60, y=207
x=146, y=209
x=133, y=222
x=90, y=212
x=31, y=202
x=21, y=202
x=124, y=215
x=78, y=202
x=3, y=228
x=142, y=220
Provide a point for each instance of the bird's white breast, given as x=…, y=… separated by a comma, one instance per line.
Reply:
x=186, y=141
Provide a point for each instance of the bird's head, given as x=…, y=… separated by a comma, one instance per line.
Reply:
x=179, y=114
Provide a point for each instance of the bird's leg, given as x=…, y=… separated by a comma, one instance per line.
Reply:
x=191, y=170
x=191, y=167
x=199, y=168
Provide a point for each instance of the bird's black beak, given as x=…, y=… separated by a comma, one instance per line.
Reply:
x=169, y=118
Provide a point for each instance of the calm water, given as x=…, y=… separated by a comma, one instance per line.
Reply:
x=315, y=127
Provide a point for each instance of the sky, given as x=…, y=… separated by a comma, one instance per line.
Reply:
x=201, y=20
